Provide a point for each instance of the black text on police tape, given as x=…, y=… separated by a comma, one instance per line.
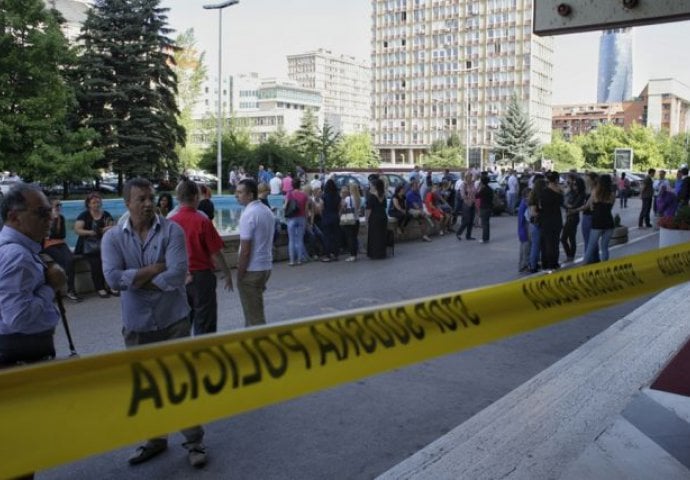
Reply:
x=179, y=378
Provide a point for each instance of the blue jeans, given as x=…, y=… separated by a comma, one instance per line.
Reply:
x=296, y=250
x=586, y=225
x=535, y=247
x=512, y=202
x=601, y=238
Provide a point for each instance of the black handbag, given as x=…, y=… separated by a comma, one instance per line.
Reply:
x=291, y=208
x=92, y=245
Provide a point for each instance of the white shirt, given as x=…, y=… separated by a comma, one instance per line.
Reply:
x=257, y=225
x=316, y=183
x=512, y=184
x=276, y=183
x=459, y=183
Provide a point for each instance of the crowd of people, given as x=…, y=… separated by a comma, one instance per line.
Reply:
x=586, y=201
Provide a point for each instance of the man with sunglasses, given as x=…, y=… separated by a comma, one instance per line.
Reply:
x=28, y=315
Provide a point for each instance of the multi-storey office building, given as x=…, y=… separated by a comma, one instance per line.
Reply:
x=580, y=119
x=344, y=83
x=614, y=83
x=261, y=106
x=451, y=66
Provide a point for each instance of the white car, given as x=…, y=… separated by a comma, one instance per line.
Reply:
x=5, y=186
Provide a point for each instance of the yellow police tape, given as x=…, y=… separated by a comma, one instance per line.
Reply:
x=61, y=411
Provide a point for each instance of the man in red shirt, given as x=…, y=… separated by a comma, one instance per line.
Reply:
x=204, y=249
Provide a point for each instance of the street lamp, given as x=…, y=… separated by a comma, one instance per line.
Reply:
x=219, y=120
x=467, y=113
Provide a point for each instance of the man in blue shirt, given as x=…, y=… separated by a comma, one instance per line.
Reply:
x=146, y=259
x=415, y=207
x=27, y=286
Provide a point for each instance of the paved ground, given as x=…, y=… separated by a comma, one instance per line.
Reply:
x=361, y=429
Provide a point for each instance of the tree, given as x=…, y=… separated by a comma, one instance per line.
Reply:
x=673, y=149
x=128, y=86
x=447, y=153
x=328, y=143
x=38, y=137
x=307, y=139
x=565, y=155
x=190, y=71
x=646, y=148
x=236, y=150
x=516, y=135
x=356, y=151
x=598, y=146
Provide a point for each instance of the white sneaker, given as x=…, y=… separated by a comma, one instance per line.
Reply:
x=351, y=259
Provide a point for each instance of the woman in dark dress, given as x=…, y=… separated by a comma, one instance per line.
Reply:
x=551, y=221
x=377, y=221
x=330, y=221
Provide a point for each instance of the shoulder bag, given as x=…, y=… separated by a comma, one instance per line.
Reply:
x=291, y=207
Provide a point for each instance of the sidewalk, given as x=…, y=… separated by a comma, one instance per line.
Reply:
x=589, y=415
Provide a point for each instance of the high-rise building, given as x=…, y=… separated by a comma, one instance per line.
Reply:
x=344, y=83
x=614, y=82
x=666, y=105
x=451, y=67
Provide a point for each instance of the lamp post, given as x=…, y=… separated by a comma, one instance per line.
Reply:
x=219, y=120
x=467, y=114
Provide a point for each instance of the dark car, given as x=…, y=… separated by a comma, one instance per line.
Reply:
x=393, y=180
x=500, y=201
x=346, y=178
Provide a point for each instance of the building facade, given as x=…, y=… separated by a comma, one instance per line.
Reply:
x=663, y=104
x=260, y=106
x=667, y=105
x=614, y=82
x=451, y=66
x=344, y=83
x=579, y=119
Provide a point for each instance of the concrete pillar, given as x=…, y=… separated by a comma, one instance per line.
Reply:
x=393, y=156
x=410, y=156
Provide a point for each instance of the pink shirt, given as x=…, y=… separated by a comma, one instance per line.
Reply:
x=287, y=184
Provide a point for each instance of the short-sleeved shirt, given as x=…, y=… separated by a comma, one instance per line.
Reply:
x=414, y=199
x=201, y=238
x=257, y=225
x=287, y=184
x=301, y=199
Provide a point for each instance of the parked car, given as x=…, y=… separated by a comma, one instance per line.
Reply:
x=345, y=178
x=393, y=181
x=500, y=201
x=6, y=185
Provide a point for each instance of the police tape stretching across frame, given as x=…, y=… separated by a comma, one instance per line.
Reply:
x=59, y=412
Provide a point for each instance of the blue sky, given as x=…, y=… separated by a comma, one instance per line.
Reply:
x=258, y=34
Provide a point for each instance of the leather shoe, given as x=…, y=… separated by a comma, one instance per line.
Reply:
x=147, y=451
x=196, y=454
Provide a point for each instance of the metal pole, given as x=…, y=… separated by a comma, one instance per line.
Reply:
x=219, y=121
x=467, y=120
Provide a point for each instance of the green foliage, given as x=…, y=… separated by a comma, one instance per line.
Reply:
x=190, y=71
x=565, y=155
x=674, y=150
x=328, y=146
x=598, y=146
x=445, y=154
x=236, y=150
x=307, y=139
x=516, y=135
x=646, y=150
x=128, y=87
x=39, y=138
x=357, y=151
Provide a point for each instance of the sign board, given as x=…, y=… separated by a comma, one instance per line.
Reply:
x=623, y=159
x=554, y=17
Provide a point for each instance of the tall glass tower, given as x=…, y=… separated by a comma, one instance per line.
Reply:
x=615, y=66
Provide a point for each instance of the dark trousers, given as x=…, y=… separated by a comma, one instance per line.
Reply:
x=549, y=245
x=96, y=267
x=467, y=220
x=201, y=295
x=351, y=232
x=403, y=218
x=485, y=217
x=644, y=213
x=331, y=234
x=569, y=235
x=63, y=257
